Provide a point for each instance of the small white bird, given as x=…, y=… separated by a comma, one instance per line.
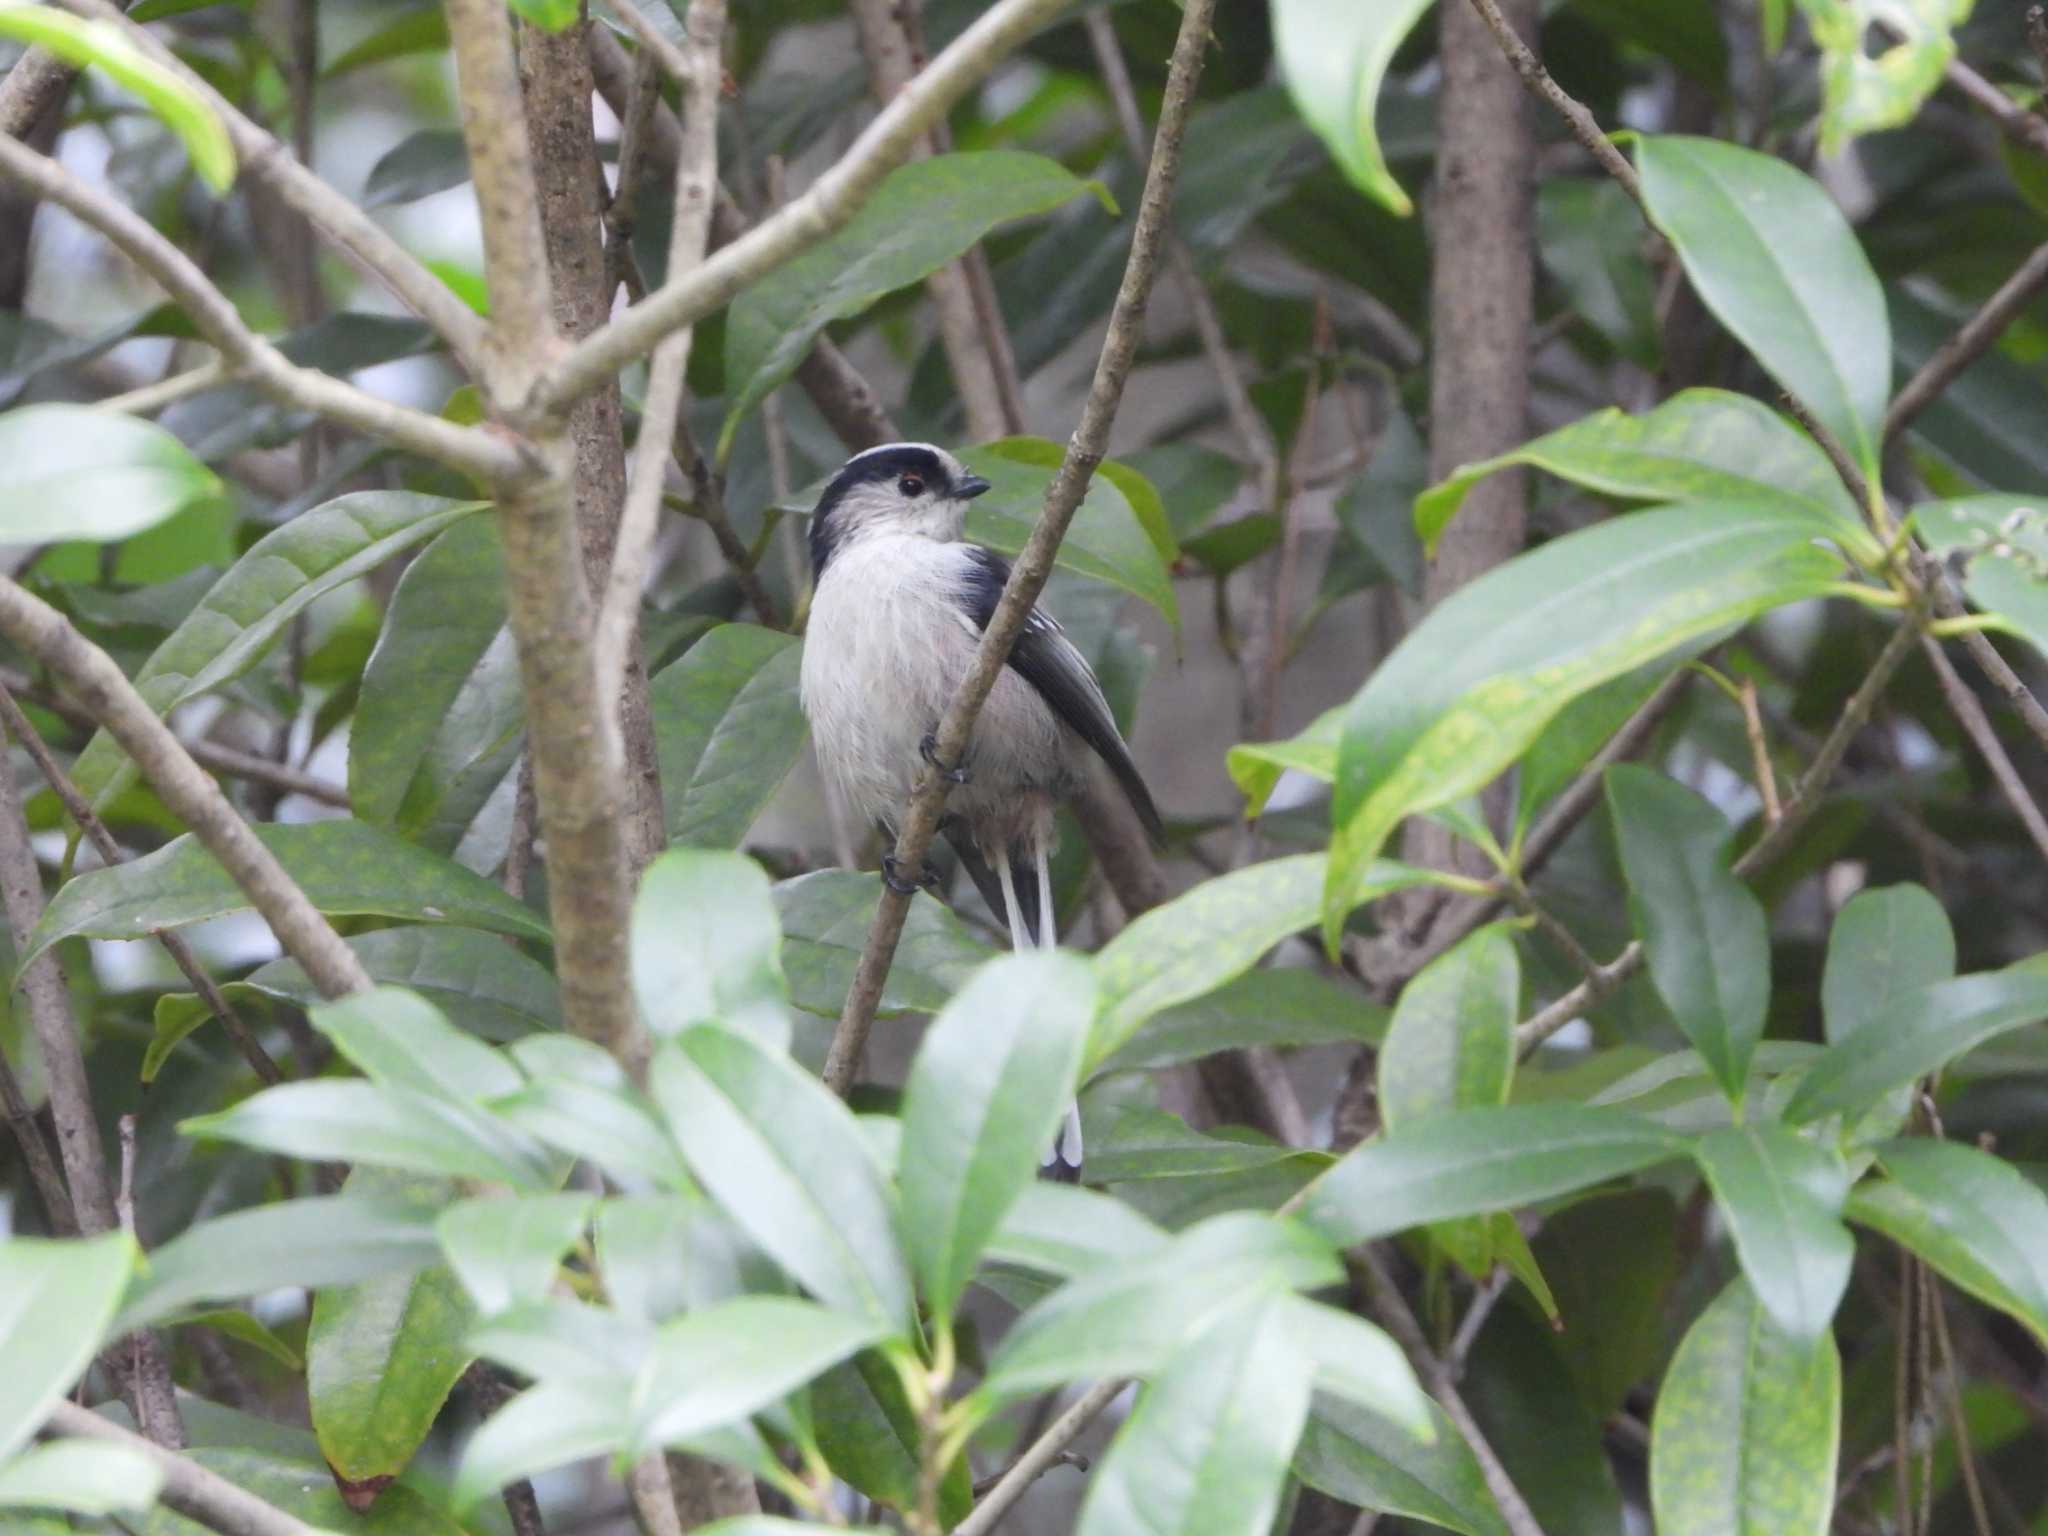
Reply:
x=898, y=608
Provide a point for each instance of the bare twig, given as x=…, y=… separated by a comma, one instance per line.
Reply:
x=236, y=764
x=151, y=398
x=2014, y=121
x=1962, y=703
x=707, y=505
x=1581, y=122
x=188, y=1487
x=1959, y=1428
x=185, y=788
x=1760, y=752
x=35, y=1154
x=1976, y=337
x=1084, y=451
x=1046, y=1451
x=695, y=185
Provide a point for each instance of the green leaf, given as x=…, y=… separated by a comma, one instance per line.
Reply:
x=1356, y=1361
x=398, y=1039
x=1452, y=1042
x=1582, y=728
x=319, y=1241
x=87, y=1477
x=103, y=46
x=1065, y=1230
x=1205, y=1452
x=1366, y=1460
x=727, y=730
x=1917, y=1033
x=1782, y=1195
x=255, y=602
x=549, y=15
x=73, y=472
x=345, y=1120
x=1146, y=1143
x=707, y=946
x=1334, y=56
x=57, y=1297
x=1475, y=683
x=422, y=29
x=982, y=1103
x=1130, y=1318
x=439, y=718
x=1771, y=255
x=1374, y=510
x=1590, y=236
x=1471, y=1161
x=1611, y=1260
x=1256, y=766
x=1278, y=1006
x=825, y=921
x=2001, y=544
x=711, y=1368
x=1204, y=937
x=344, y=867
x=1746, y=1428
x=244, y=1326
x=921, y=217
x=1886, y=942
x=1705, y=931
x=1700, y=445
x=1974, y=1217
x=786, y=1160
x=578, y=1100
x=542, y=1428
x=1865, y=90
x=508, y=1251
x=1552, y=1448
x=421, y=164
x=868, y=1433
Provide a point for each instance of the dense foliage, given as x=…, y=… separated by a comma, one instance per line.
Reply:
x=1588, y=1079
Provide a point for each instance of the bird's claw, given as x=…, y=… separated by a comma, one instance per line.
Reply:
x=927, y=879
x=928, y=749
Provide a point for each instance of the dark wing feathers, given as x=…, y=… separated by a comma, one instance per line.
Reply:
x=1045, y=658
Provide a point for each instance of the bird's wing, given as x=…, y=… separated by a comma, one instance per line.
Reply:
x=1046, y=659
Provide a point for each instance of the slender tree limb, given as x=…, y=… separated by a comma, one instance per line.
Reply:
x=707, y=505
x=2018, y=124
x=804, y=222
x=184, y=787
x=1584, y=127
x=1962, y=703
x=1976, y=337
x=188, y=1488
x=151, y=398
x=1027, y=578
x=36, y=1155
x=469, y=449
x=1045, y=1452
x=368, y=247
x=696, y=185
x=33, y=86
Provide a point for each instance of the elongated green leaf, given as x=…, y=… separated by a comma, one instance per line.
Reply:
x=707, y=947
x=1974, y=1217
x=299, y=1483
x=1366, y=1460
x=2001, y=545
x=1355, y=1360
x=383, y=1126
x=868, y=1432
x=439, y=718
x=1865, y=90
x=1700, y=445
x=1334, y=57
x=319, y=1241
x=1583, y=727
x=825, y=920
x=1705, y=931
x=1589, y=234
x=604, y=1120
x=1916, y=1033
x=727, y=730
x=1452, y=1042
x=1746, y=1427
x=1782, y=1197
x=72, y=472
x=1275, y=1006
x=399, y=1039
x=1256, y=766
x=87, y=1477
x=1472, y=685
x=342, y=866
x=1771, y=255
x=1611, y=1260
x=419, y=165
x=254, y=603
x=1886, y=942
x=1207, y=1448
x=1198, y=941
x=785, y=1159
x=1472, y=1161
x=56, y=1298
x=1146, y=1143
x=1065, y=1230
x=245, y=1327
x=105, y=47
x=507, y=1251
x=982, y=1103
x=543, y=1427
x=1130, y=1318
x=923, y=216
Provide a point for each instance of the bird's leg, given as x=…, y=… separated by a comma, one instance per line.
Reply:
x=1048, y=935
x=928, y=749
x=1020, y=940
x=892, y=873
x=1065, y=1153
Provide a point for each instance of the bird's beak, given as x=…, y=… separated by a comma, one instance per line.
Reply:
x=969, y=486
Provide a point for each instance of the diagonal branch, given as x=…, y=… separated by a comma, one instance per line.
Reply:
x=188, y=1487
x=805, y=221
x=1027, y=578
x=1583, y=125
x=469, y=449
x=1977, y=336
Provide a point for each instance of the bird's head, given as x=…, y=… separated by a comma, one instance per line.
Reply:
x=911, y=488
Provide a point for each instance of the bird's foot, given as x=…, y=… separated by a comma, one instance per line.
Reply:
x=927, y=879
x=928, y=749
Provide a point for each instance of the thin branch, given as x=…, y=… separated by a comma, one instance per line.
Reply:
x=805, y=222
x=151, y=398
x=184, y=787
x=1069, y=483
x=80, y=810
x=188, y=1488
x=469, y=449
x=674, y=62
x=1047, y=1450
x=359, y=237
x=1760, y=752
x=1976, y=337
x=1581, y=122
x=696, y=184
x=707, y=505
x=1962, y=703
x=2024, y=128
x=622, y=213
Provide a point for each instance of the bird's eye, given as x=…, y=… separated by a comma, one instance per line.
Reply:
x=910, y=485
